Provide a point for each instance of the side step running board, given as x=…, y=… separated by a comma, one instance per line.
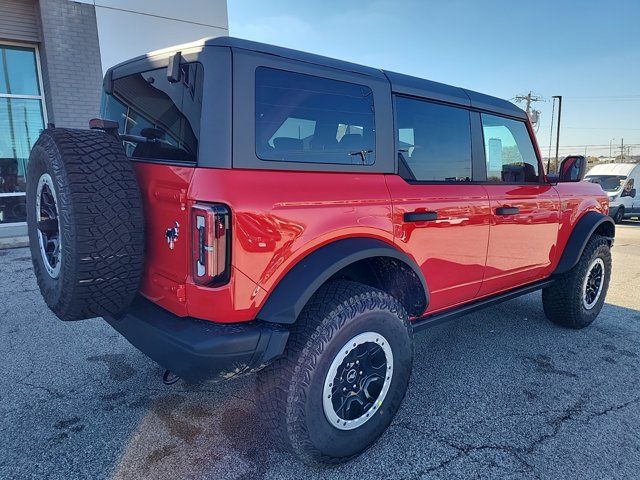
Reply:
x=438, y=318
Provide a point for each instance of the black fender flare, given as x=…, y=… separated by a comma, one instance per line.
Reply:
x=582, y=232
x=288, y=298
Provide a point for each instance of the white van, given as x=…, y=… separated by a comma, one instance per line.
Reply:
x=619, y=181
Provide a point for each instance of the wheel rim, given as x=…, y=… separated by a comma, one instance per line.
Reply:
x=358, y=381
x=48, y=226
x=593, y=283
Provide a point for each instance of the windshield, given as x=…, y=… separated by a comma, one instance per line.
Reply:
x=609, y=183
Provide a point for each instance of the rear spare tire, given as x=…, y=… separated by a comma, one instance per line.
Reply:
x=85, y=223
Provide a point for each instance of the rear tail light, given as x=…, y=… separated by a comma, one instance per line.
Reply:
x=211, y=228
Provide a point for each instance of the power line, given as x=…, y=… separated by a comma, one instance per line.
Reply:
x=622, y=95
x=594, y=128
x=592, y=145
x=602, y=128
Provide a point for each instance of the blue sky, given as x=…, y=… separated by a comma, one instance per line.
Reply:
x=587, y=51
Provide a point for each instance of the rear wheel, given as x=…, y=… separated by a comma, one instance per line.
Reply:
x=576, y=297
x=85, y=223
x=345, y=373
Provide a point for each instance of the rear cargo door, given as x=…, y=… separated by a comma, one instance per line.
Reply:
x=164, y=191
x=160, y=121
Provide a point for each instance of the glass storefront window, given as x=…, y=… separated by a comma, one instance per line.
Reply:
x=18, y=75
x=22, y=118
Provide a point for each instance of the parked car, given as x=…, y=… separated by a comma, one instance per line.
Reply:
x=619, y=181
x=247, y=208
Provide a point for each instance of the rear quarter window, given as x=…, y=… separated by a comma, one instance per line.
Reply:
x=309, y=119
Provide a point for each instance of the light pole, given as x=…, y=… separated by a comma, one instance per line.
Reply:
x=611, y=149
x=559, y=97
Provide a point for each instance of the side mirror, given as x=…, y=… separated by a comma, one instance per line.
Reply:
x=553, y=178
x=572, y=169
x=629, y=193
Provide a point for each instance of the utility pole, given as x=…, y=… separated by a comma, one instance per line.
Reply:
x=622, y=149
x=559, y=97
x=530, y=98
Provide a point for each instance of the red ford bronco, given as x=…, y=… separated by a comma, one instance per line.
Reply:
x=242, y=207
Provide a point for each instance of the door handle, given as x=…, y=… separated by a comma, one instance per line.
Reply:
x=507, y=211
x=420, y=216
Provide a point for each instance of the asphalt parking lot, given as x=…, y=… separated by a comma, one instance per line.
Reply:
x=502, y=393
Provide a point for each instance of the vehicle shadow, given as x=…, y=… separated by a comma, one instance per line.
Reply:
x=630, y=223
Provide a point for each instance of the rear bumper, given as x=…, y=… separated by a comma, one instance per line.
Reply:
x=195, y=349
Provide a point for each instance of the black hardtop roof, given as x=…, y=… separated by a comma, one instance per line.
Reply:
x=400, y=83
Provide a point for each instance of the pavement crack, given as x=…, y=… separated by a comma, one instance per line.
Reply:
x=519, y=454
x=53, y=393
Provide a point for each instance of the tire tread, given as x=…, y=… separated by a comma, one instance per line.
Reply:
x=102, y=209
x=326, y=312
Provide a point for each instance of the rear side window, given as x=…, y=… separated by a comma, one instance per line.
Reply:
x=161, y=119
x=303, y=118
x=434, y=140
x=509, y=151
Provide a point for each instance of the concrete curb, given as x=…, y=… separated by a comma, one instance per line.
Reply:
x=14, y=242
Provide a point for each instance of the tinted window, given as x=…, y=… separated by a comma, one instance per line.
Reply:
x=161, y=118
x=434, y=140
x=302, y=118
x=509, y=151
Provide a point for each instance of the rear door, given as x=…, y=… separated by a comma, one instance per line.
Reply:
x=524, y=209
x=439, y=216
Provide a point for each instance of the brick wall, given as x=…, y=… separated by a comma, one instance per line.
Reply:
x=71, y=67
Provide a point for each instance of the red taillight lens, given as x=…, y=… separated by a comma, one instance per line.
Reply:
x=211, y=229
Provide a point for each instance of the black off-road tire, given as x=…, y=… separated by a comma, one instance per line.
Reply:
x=619, y=216
x=563, y=300
x=100, y=223
x=291, y=389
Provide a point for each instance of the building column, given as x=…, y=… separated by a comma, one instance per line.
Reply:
x=71, y=66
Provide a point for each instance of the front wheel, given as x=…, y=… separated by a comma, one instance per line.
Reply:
x=576, y=297
x=345, y=373
x=619, y=216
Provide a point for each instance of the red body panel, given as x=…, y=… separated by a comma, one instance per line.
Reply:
x=451, y=250
x=522, y=246
x=576, y=199
x=164, y=194
x=279, y=217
